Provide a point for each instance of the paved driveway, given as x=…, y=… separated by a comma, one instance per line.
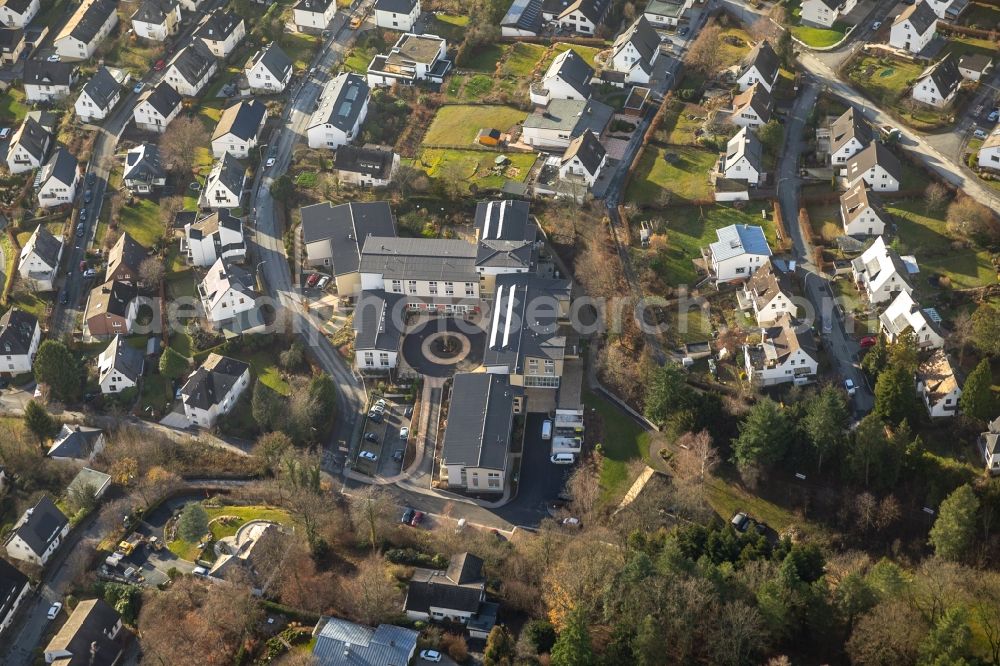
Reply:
x=540, y=480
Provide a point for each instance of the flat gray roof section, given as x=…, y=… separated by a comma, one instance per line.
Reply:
x=480, y=419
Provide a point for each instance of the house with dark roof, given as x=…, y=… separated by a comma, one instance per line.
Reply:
x=78, y=443
x=568, y=77
x=100, y=94
x=157, y=107
x=939, y=385
x=18, y=13
x=397, y=14
x=341, y=112
x=476, y=448
x=562, y=120
x=343, y=643
x=914, y=28
x=761, y=65
x=370, y=166
x=221, y=32
x=743, y=159
x=313, y=16
x=583, y=160
x=213, y=389
x=125, y=259
x=28, y=147
x=580, y=16
x=38, y=533
x=225, y=184
x=905, y=315
x=156, y=20
x=523, y=19
x=57, y=179
x=46, y=81
x=973, y=66
x=239, y=129
x=877, y=167
x=99, y=482
x=664, y=13
x=119, y=367
x=635, y=51
x=861, y=212
x=939, y=83
x=12, y=45
x=787, y=352
x=14, y=587
x=881, y=273
x=269, y=71
x=89, y=25
x=335, y=235
x=767, y=294
x=411, y=59
x=824, y=13
x=111, y=310
x=227, y=291
x=214, y=236
x=948, y=10
x=92, y=636
x=379, y=319
x=751, y=108
x=850, y=133
x=20, y=335
x=39, y=260
x=455, y=595
x=191, y=69
x=143, y=170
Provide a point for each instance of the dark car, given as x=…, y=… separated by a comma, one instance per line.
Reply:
x=407, y=516
x=65, y=298
x=418, y=517
x=88, y=196
x=83, y=215
x=683, y=31
x=160, y=64
x=91, y=178
x=371, y=437
x=397, y=455
x=80, y=230
x=375, y=416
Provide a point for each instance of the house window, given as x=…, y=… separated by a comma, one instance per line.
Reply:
x=397, y=286
x=550, y=367
x=449, y=288
x=470, y=289
x=411, y=286
x=493, y=479
x=432, y=287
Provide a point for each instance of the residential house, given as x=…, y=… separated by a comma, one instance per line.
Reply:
x=562, y=120
x=568, y=77
x=861, y=212
x=239, y=129
x=191, y=69
x=342, y=110
x=849, y=135
x=39, y=260
x=221, y=32
x=213, y=237
x=582, y=17
x=881, y=273
x=413, y=58
x=761, y=65
x=269, y=71
x=335, y=235
x=225, y=185
x=37, y=533
x=768, y=295
x=213, y=389
x=973, y=66
x=92, y=635
x=157, y=107
x=77, y=443
x=786, y=352
x=227, y=291
x=877, y=167
x=125, y=260
x=19, y=338
x=57, y=179
x=938, y=84
x=905, y=314
x=89, y=25
x=14, y=588
x=12, y=45
x=664, y=13
x=28, y=147
x=251, y=556
x=824, y=13
x=475, y=452
x=743, y=159
x=156, y=20
x=397, y=14
x=111, y=309
x=635, y=51
x=948, y=10
x=523, y=19
x=989, y=445
x=371, y=166
x=989, y=152
x=119, y=366
x=914, y=28
x=939, y=385
x=100, y=94
x=751, y=108
x=313, y=15
x=191, y=5
x=507, y=237
x=583, y=160
x=342, y=643
x=379, y=319
x=455, y=595
x=18, y=13
x=46, y=81
x=143, y=170
x=98, y=482
x=740, y=250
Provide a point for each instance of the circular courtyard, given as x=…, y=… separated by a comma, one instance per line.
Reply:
x=442, y=346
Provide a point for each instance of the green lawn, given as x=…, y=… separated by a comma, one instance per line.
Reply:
x=142, y=221
x=585, y=52
x=156, y=397
x=239, y=514
x=182, y=343
x=985, y=17
x=622, y=441
x=732, y=53
x=450, y=26
x=300, y=47
x=679, y=126
x=685, y=177
x=30, y=301
x=484, y=58
x=966, y=45
x=522, y=59
x=825, y=221
x=359, y=57
x=13, y=108
x=265, y=368
x=820, y=37
x=728, y=499
x=458, y=124
x=474, y=166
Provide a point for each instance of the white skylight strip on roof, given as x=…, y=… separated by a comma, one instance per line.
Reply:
x=510, y=314
x=503, y=211
x=486, y=225
x=496, y=316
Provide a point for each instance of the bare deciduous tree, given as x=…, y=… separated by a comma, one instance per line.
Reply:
x=151, y=271
x=369, y=510
x=696, y=457
x=181, y=141
x=935, y=195
x=371, y=592
x=704, y=54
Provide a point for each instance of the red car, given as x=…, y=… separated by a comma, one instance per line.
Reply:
x=312, y=279
x=83, y=265
x=418, y=517
x=868, y=341
x=160, y=64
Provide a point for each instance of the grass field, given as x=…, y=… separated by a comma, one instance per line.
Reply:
x=727, y=499
x=484, y=58
x=458, y=124
x=825, y=221
x=679, y=129
x=621, y=442
x=156, y=397
x=142, y=221
x=265, y=369
x=473, y=166
x=241, y=514
x=449, y=26
x=965, y=45
x=686, y=177
x=820, y=37
x=13, y=108
x=300, y=47
x=585, y=52
x=522, y=59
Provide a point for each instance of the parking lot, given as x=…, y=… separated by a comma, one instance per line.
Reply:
x=388, y=447
x=540, y=479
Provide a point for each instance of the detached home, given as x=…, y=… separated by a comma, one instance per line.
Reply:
x=989, y=445
x=824, y=13
x=92, y=635
x=18, y=13
x=877, y=167
x=38, y=533
x=584, y=159
x=413, y=58
x=19, y=338
x=46, y=81
x=786, y=353
x=743, y=159
x=768, y=295
x=89, y=25
x=663, y=13
x=973, y=66
x=125, y=260
x=226, y=292
x=849, y=135
x=157, y=107
x=751, y=108
x=861, y=212
x=740, y=250
x=939, y=385
x=914, y=28
x=881, y=273
x=191, y=69
x=523, y=19
x=28, y=147
x=119, y=366
x=225, y=185
x=111, y=309
x=100, y=94
x=562, y=120
x=14, y=588
x=213, y=389
x=77, y=443
x=579, y=16
x=387, y=645
x=143, y=170
x=341, y=112
x=57, y=179
x=397, y=14
x=761, y=65
x=156, y=20
x=371, y=166
x=213, y=237
x=455, y=595
x=989, y=152
x=39, y=260
x=938, y=84
x=313, y=15
x=948, y=10
x=269, y=71
x=239, y=129
x=905, y=314
x=12, y=45
x=635, y=52
x=221, y=32
x=568, y=77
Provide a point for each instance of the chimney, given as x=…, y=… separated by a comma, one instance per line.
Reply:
x=93, y=653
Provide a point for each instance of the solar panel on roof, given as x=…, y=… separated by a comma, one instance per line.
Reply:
x=352, y=94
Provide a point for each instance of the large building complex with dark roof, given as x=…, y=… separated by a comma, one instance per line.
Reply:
x=334, y=236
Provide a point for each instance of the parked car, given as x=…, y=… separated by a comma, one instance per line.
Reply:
x=740, y=522
x=430, y=655
x=312, y=279
x=876, y=25
x=89, y=273
x=84, y=214
x=368, y=455
x=54, y=610
x=65, y=298
x=81, y=229
x=418, y=517
x=88, y=196
x=137, y=88
x=371, y=437
x=4, y=133
x=993, y=117
x=683, y=31
x=563, y=458
x=160, y=64
x=408, y=412
x=199, y=571
x=83, y=265
x=571, y=522
x=323, y=281
x=375, y=416
x=397, y=455
x=850, y=387
x=91, y=178
x=407, y=516
x=54, y=58
x=868, y=341
x=404, y=433
x=979, y=134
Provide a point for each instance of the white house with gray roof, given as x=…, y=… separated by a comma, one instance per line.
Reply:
x=824, y=13
x=38, y=533
x=881, y=273
x=397, y=14
x=18, y=13
x=914, y=28
x=20, y=335
x=751, y=108
x=877, y=167
x=157, y=107
x=216, y=236
x=100, y=94
x=239, y=129
x=663, y=13
x=46, y=81
x=313, y=15
x=905, y=314
x=635, y=51
x=335, y=235
x=221, y=32
x=143, y=171
x=411, y=59
x=341, y=112
x=568, y=77
x=56, y=181
x=269, y=71
x=761, y=65
x=850, y=133
x=583, y=160
x=939, y=83
x=861, y=212
x=28, y=147
x=989, y=446
x=156, y=20
x=227, y=291
x=343, y=643
x=582, y=17
x=737, y=254
x=39, y=260
x=119, y=366
x=14, y=589
x=379, y=320
x=77, y=443
x=368, y=166
x=435, y=274
x=225, y=185
x=89, y=25
x=191, y=69
x=213, y=389
x=562, y=120
x=743, y=159
x=786, y=352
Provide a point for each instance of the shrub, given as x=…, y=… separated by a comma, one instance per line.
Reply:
x=415, y=558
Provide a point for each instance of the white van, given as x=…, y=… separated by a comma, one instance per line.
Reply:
x=200, y=571
x=563, y=458
x=546, y=429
